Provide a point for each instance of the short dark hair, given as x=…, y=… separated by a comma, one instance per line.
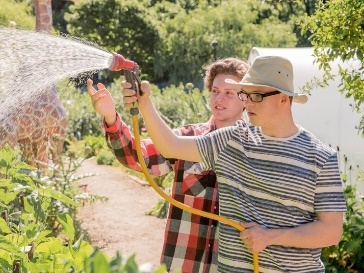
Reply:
x=231, y=66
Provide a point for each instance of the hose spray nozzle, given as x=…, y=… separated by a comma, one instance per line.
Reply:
x=131, y=73
x=118, y=62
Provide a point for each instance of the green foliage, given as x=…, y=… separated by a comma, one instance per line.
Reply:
x=89, y=147
x=105, y=157
x=123, y=26
x=17, y=14
x=59, y=8
x=291, y=12
x=337, y=30
x=185, y=43
x=82, y=120
x=171, y=40
x=348, y=255
x=93, y=145
x=179, y=105
x=165, y=10
x=27, y=241
x=26, y=227
x=160, y=209
x=99, y=262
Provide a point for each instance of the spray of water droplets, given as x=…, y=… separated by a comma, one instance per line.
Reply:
x=32, y=61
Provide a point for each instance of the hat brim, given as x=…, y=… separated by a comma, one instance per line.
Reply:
x=297, y=97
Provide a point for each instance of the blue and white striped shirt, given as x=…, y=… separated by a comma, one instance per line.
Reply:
x=275, y=182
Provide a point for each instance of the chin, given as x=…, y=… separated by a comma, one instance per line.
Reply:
x=253, y=122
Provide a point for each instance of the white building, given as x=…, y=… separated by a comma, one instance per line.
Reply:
x=327, y=114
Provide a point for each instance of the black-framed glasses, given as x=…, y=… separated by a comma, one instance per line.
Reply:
x=255, y=97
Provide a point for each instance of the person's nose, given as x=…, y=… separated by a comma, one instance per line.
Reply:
x=220, y=96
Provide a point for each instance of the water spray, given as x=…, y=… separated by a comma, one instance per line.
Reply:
x=131, y=72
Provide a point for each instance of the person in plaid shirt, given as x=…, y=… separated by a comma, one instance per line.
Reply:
x=190, y=241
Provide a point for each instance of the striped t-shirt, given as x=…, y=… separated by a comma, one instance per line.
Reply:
x=275, y=182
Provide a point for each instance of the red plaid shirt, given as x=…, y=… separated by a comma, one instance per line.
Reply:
x=190, y=241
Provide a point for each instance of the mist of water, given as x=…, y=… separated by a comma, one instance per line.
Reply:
x=31, y=61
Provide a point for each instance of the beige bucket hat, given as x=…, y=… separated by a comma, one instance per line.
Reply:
x=272, y=71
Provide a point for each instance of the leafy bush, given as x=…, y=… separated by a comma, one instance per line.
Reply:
x=178, y=105
x=93, y=145
x=160, y=209
x=99, y=262
x=82, y=120
x=185, y=44
x=30, y=210
x=16, y=14
x=30, y=207
x=348, y=255
x=105, y=157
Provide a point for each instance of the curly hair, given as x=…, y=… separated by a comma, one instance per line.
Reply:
x=231, y=66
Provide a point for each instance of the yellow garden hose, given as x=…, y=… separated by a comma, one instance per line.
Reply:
x=174, y=202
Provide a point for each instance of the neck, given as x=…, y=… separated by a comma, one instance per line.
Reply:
x=281, y=128
x=221, y=124
x=286, y=132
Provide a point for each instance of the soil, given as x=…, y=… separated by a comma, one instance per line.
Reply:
x=120, y=224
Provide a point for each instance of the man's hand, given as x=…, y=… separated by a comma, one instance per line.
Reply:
x=102, y=102
x=254, y=236
x=323, y=232
x=130, y=95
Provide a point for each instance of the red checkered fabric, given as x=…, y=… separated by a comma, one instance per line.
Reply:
x=190, y=241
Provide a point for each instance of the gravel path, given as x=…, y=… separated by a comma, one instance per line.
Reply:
x=119, y=224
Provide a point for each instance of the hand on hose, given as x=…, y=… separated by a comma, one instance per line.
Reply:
x=102, y=102
x=130, y=95
x=254, y=236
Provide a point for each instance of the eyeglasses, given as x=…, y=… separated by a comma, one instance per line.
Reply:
x=255, y=97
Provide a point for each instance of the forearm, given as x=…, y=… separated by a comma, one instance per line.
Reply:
x=312, y=235
x=170, y=145
x=120, y=139
x=110, y=119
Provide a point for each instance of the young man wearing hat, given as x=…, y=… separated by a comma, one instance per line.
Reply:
x=276, y=178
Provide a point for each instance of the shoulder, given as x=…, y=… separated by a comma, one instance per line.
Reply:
x=315, y=141
x=316, y=145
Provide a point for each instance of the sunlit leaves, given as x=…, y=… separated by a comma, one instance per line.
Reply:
x=337, y=30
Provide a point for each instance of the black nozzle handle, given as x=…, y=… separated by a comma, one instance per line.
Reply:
x=129, y=78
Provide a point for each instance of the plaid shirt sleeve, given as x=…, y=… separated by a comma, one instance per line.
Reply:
x=122, y=142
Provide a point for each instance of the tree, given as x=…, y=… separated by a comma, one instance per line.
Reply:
x=187, y=37
x=123, y=26
x=337, y=29
x=290, y=12
x=59, y=8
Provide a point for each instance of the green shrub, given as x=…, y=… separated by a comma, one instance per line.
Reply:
x=348, y=255
x=30, y=210
x=16, y=14
x=93, y=145
x=105, y=157
x=160, y=209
